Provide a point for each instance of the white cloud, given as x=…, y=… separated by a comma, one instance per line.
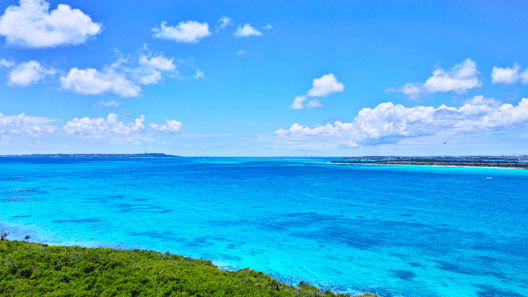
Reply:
x=91, y=82
x=389, y=123
x=505, y=75
x=150, y=69
x=23, y=126
x=524, y=76
x=298, y=102
x=459, y=79
x=121, y=77
x=110, y=129
x=171, y=126
x=6, y=63
x=246, y=31
x=509, y=75
x=27, y=73
x=321, y=87
x=32, y=24
x=158, y=62
x=106, y=104
x=199, y=74
x=314, y=103
x=224, y=22
x=148, y=76
x=187, y=32
x=113, y=130
x=325, y=86
x=241, y=52
x=267, y=27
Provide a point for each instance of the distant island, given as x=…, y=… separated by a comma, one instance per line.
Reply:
x=145, y=155
x=515, y=162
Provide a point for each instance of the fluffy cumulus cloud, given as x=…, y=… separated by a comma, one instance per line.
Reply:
x=389, y=123
x=246, y=31
x=171, y=126
x=151, y=68
x=91, y=82
x=186, y=32
x=509, y=75
x=298, y=102
x=321, y=87
x=19, y=126
x=223, y=22
x=325, y=86
x=115, y=131
x=459, y=79
x=28, y=73
x=32, y=24
x=6, y=63
x=121, y=78
x=22, y=128
x=110, y=128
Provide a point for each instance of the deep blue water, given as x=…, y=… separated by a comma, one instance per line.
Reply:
x=392, y=230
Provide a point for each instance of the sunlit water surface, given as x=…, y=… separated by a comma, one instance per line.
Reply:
x=392, y=230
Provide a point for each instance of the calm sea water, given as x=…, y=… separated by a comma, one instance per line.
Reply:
x=396, y=231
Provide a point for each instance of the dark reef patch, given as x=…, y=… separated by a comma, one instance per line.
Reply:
x=404, y=274
x=457, y=268
x=231, y=246
x=20, y=199
x=115, y=197
x=490, y=291
x=145, y=208
x=231, y=258
x=164, y=236
x=76, y=221
x=164, y=211
x=199, y=242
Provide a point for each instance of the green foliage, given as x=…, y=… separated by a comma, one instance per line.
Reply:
x=30, y=269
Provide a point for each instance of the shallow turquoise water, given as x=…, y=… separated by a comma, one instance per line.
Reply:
x=396, y=231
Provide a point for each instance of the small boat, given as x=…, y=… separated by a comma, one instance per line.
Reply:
x=489, y=177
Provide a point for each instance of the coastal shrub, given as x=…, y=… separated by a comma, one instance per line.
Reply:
x=31, y=269
x=3, y=234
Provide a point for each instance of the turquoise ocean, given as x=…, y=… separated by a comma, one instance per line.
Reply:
x=392, y=230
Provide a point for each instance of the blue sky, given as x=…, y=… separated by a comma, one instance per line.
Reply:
x=255, y=78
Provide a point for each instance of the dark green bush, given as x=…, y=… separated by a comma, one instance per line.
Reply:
x=30, y=269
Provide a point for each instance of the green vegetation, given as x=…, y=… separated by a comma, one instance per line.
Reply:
x=32, y=269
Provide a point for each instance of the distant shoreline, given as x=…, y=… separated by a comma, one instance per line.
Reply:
x=501, y=165
x=131, y=156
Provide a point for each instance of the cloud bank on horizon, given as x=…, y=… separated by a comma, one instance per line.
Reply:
x=212, y=71
x=20, y=127
x=391, y=123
